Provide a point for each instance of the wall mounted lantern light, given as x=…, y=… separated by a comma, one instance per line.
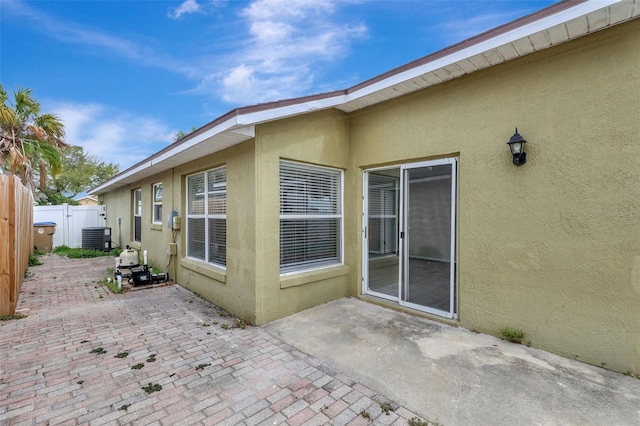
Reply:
x=516, y=145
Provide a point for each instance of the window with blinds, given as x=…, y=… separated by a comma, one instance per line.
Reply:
x=310, y=216
x=157, y=203
x=207, y=216
x=137, y=215
x=383, y=214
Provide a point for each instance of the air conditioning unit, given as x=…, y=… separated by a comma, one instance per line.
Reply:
x=98, y=238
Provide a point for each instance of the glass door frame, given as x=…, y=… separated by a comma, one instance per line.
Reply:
x=365, y=231
x=404, y=227
x=403, y=263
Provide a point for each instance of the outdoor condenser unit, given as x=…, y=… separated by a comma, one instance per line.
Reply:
x=98, y=238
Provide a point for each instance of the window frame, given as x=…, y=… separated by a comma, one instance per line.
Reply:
x=156, y=203
x=325, y=172
x=208, y=197
x=137, y=215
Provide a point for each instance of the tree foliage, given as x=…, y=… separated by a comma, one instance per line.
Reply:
x=53, y=198
x=30, y=142
x=80, y=172
x=181, y=134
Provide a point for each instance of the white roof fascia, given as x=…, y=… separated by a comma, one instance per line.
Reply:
x=484, y=46
x=243, y=122
x=220, y=128
x=248, y=131
x=253, y=118
x=120, y=177
x=226, y=125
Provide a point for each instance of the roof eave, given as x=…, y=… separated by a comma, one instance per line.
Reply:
x=551, y=26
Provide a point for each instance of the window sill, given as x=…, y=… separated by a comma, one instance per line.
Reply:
x=306, y=277
x=156, y=226
x=135, y=245
x=207, y=270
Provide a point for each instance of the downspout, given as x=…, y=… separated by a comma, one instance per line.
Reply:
x=120, y=232
x=174, y=269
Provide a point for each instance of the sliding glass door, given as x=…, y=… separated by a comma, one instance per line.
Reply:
x=409, y=235
x=382, y=234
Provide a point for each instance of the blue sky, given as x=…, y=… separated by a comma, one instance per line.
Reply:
x=124, y=76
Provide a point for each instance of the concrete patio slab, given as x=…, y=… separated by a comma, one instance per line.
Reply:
x=453, y=376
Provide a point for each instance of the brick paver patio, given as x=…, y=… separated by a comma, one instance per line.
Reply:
x=197, y=367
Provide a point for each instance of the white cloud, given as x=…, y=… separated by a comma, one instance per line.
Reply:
x=270, y=31
x=278, y=52
x=288, y=42
x=73, y=33
x=261, y=10
x=241, y=76
x=113, y=136
x=186, y=7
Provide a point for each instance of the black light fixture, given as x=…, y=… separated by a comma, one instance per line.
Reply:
x=516, y=145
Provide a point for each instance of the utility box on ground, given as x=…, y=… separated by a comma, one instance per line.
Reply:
x=43, y=236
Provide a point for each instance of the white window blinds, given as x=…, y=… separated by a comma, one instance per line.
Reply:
x=137, y=215
x=310, y=216
x=157, y=203
x=207, y=216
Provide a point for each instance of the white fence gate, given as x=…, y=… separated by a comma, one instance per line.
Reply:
x=70, y=220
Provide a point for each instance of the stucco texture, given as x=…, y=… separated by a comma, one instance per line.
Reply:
x=550, y=247
x=233, y=287
x=322, y=139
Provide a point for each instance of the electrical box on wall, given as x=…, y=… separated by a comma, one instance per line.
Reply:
x=171, y=220
x=176, y=222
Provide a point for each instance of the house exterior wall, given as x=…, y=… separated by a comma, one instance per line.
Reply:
x=119, y=205
x=154, y=237
x=551, y=247
x=233, y=288
x=251, y=286
x=319, y=138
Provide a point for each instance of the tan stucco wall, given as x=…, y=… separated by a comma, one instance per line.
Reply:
x=233, y=289
x=155, y=237
x=119, y=206
x=552, y=247
x=319, y=138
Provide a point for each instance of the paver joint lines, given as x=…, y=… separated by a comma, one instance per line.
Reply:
x=52, y=372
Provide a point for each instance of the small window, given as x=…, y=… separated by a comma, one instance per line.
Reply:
x=137, y=215
x=207, y=216
x=310, y=216
x=157, y=203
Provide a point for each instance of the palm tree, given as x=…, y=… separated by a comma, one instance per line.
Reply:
x=29, y=139
x=181, y=134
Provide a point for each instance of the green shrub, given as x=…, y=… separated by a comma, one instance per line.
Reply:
x=514, y=335
x=80, y=253
x=12, y=317
x=111, y=283
x=417, y=421
x=34, y=260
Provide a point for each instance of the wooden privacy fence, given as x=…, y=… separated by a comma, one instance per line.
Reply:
x=16, y=239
